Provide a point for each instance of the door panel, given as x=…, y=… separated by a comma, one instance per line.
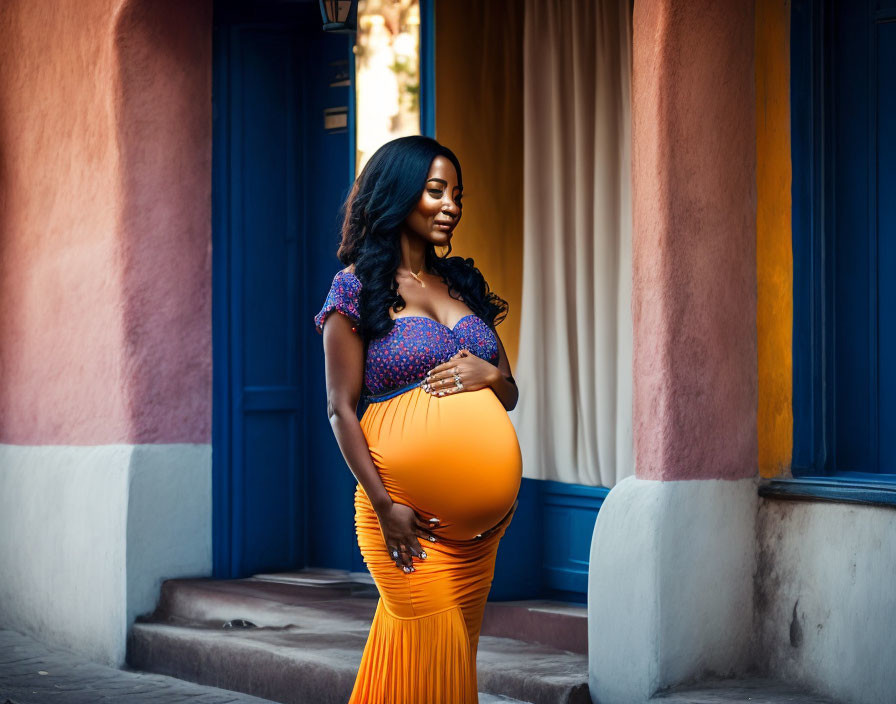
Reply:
x=267, y=410
x=282, y=493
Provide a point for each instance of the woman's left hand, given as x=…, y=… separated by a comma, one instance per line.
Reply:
x=474, y=373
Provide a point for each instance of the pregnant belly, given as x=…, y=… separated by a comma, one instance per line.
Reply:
x=454, y=457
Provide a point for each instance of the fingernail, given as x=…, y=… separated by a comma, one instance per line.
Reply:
x=434, y=520
x=423, y=554
x=432, y=539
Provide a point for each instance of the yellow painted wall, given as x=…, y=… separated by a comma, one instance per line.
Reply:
x=774, y=252
x=479, y=115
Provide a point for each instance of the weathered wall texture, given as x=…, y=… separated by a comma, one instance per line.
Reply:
x=88, y=534
x=774, y=247
x=670, y=586
x=694, y=287
x=824, y=601
x=105, y=222
x=479, y=116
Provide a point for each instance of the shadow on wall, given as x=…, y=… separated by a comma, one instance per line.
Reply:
x=164, y=52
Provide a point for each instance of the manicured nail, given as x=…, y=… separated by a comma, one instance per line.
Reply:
x=423, y=554
x=434, y=520
x=432, y=539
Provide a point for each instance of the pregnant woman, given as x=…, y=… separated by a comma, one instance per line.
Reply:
x=436, y=457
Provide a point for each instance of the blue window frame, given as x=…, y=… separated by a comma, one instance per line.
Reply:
x=843, y=121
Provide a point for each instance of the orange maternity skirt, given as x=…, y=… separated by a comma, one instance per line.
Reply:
x=457, y=458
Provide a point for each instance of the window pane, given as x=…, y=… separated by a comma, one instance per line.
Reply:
x=387, y=74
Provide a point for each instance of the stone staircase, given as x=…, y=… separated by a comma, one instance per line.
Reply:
x=297, y=638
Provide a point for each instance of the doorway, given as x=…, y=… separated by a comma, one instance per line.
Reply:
x=281, y=169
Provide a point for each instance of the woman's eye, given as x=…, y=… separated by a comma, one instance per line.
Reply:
x=436, y=194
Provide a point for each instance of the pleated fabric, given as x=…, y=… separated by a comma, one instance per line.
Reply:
x=424, y=637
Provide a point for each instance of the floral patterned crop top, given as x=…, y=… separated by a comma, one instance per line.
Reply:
x=400, y=360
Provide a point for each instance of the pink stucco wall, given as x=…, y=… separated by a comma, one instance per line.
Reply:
x=105, y=222
x=694, y=248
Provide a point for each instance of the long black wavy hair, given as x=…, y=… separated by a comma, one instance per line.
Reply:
x=384, y=194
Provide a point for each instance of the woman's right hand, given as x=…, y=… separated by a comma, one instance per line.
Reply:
x=401, y=528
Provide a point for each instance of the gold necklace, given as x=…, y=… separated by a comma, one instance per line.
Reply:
x=417, y=277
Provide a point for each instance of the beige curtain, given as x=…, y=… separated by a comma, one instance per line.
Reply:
x=574, y=367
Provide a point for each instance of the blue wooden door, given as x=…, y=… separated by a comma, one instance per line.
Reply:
x=885, y=208
x=280, y=174
x=861, y=168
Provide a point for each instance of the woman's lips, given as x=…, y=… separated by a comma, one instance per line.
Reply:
x=444, y=226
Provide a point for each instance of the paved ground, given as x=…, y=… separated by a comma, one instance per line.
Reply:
x=32, y=673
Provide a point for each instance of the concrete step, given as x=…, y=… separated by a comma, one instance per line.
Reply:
x=275, y=597
x=754, y=691
x=309, y=630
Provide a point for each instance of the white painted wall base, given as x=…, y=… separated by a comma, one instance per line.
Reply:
x=826, y=598
x=88, y=534
x=670, y=591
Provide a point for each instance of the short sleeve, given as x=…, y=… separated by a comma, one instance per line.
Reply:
x=343, y=296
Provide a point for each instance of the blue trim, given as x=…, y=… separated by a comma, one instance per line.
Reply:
x=386, y=395
x=222, y=435
x=588, y=493
x=428, y=68
x=808, y=233
x=352, y=111
x=857, y=490
x=235, y=274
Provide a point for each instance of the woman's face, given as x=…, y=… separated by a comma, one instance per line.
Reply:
x=439, y=209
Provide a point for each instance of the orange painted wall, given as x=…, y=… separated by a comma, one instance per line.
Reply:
x=479, y=115
x=774, y=250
